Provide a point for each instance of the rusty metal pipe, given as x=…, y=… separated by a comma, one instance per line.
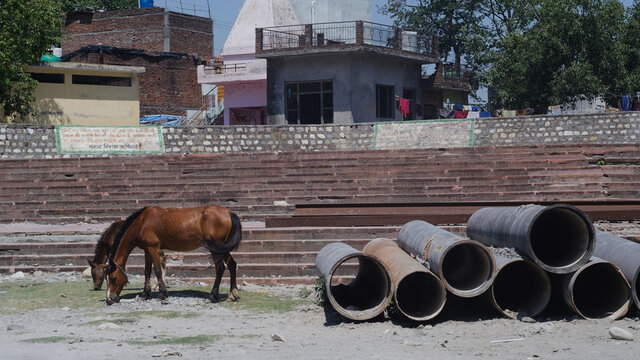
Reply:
x=465, y=267
x=521, y=288
x=597, y=290
x=418, y=293
x=360, y=297
x=559, y=238
x=625, y=254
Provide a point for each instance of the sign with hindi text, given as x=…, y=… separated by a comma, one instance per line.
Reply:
x=109, y=139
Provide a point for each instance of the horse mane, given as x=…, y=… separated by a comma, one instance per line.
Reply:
x=116, y=241
x=234, y=238
x=102, y=247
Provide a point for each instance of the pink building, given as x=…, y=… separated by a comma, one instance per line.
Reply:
x=243, y=76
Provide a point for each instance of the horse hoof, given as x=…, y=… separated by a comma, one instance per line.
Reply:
x=234, y=295
x=162, y=296
x=214, y=298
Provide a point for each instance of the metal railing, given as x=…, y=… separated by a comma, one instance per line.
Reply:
x=222, y=68
x=293, y=37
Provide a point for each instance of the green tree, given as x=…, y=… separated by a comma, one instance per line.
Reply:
x=108, y=5
x=571, y=49
x=28, y=29
x=453, y=21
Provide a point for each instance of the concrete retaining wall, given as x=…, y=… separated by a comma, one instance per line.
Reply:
x=39, y=141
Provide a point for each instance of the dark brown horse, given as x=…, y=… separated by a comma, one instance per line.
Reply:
x=154, y=228
x=103, y=247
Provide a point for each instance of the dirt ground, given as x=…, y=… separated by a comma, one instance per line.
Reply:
x=187, y=325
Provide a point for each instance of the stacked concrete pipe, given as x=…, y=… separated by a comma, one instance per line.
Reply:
x=465, y=267
x=367, y=294
x=597, y=290
x=623, y=253
x=521, y=288
x=418, y=293
x=559, y=238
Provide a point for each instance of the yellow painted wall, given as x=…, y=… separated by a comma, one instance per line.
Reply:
x=89, y=105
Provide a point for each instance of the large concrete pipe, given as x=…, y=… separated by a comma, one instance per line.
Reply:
x=625, y=254
x=559, y=238
x=597, y=290
x=466, y=267
x=418, y=293
x=521, y=288
x=361, y=296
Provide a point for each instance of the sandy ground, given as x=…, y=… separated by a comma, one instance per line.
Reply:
x=309, y=332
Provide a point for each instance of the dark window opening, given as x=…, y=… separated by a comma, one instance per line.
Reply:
x=384, y=102
x=48, y=78
x=410, y=94
x=101, y=80
x=309, y=102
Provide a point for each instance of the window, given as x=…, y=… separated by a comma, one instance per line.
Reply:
x=384, y=102
x=48, y=78
x=101, y=80
x=309, y=102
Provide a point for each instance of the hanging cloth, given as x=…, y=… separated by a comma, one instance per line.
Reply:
x=404, y=107
x=460, y=114
x=625, y=103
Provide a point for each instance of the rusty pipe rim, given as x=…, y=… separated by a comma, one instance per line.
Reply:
x=467, y=268
x=521, y=288
x=371, y=288
x=561, y=238
x=598, y=290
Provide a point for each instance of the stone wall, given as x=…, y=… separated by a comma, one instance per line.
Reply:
x=29, y=141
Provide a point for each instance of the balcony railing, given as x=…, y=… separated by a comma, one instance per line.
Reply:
x=336, y=34
x=222, y=68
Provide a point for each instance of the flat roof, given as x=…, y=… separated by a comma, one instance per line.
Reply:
x=88, y=67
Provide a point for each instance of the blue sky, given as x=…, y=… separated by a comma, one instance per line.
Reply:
x=225, y=12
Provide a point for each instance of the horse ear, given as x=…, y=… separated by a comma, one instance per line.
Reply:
x=91, y=262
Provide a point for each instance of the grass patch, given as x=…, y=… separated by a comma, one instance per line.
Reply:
x=261, y=302
x=24, y=296
x=27, y=296
x=46, y=340
x=187, y=340
x=133, y=317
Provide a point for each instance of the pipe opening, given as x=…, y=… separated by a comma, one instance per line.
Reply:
x=521, y=288
x=467, y=266
x=560, y=237
x=420, y=296
x=600, y=291
x=359, y=286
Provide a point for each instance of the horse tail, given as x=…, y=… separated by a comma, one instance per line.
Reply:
x=121, y=232
x=234, y=238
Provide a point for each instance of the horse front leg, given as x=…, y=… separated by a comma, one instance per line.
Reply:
x=146, y=293
x=232, y=265
x=219, y=266
x=159, y=270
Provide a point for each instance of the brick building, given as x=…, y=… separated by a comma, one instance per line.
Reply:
x=169, y=45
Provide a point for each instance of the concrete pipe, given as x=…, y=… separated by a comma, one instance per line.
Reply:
x=465, y=267
x=521, y=288
x=357, y=294
x=418, y=293
x=597, y=290
x=625, y=254
x=559, y=238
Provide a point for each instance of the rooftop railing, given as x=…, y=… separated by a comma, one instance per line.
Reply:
x=336, y=34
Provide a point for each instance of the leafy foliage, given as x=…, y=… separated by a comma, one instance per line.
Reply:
x=535, y=53
x=107, y=5
x=28, y=28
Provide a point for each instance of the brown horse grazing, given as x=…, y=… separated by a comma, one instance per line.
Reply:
x=154, y=228
x=103, y=248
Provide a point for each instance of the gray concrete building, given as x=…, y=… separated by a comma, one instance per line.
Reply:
x=341, y=73
x=322, y=11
